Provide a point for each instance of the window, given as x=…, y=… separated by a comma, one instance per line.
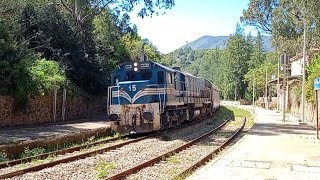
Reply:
x=146, y=74
x=130, y=76
x=143, y=74
x=160, y=75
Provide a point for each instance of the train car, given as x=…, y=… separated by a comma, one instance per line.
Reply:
x=147, y=96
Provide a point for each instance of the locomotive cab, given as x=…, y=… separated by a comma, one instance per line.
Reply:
x=136, y=98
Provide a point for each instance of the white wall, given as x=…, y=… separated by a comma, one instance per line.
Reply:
x=296, y=67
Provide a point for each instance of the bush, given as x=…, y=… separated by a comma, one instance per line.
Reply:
x=46, y=75
x=313, y=72
x=35, y=77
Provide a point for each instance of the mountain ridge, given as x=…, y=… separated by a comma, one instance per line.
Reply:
x=219, y=42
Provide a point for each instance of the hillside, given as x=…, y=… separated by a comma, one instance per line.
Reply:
x=218, y=42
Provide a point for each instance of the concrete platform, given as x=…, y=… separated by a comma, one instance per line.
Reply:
x=14, y=140
x=273, y=149
x=18, y=134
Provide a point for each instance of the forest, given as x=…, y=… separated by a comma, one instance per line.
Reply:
x=45, y=44
x=232, y=69
x=244, y=64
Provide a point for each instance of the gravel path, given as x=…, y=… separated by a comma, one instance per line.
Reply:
x=174, y=165
x=115, y=161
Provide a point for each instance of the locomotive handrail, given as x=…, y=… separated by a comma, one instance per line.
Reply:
x=162, y=104
x=110, y=96
x=157, y=85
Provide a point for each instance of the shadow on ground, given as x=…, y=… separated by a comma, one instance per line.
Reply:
x=274, y=129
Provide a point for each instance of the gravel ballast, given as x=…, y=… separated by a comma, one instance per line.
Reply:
x=123, y=158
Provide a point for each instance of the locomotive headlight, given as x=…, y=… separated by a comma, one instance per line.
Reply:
x=135, y=64
x=135, y=69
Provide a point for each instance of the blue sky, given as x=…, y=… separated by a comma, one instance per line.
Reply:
x=190, y=19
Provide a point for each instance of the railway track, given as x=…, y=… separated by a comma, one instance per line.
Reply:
x=189, y=153
x=59, y=152
x=78, y=155
x=67, y=159
x=220, y=145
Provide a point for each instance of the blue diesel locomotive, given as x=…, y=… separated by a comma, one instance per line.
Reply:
x=147, y=96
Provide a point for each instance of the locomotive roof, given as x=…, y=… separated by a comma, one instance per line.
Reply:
x=165, y=67
x=173, y=70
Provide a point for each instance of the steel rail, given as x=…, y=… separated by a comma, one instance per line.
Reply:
x=65, y=151
x=58, y=152
x=87, y=154
x=210, y=155
x=157, y=159
x=68, y=159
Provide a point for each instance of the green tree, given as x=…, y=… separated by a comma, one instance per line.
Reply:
x=33, y=76
x=236, y=55
x=284, y=19
x=81, y=11
x=134, y=46
x=257, y=75
x=84, y=38
x=313, y=72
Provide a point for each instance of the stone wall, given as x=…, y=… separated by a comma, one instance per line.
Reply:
x=40, y=110
x=310, y=113
x=294, y=106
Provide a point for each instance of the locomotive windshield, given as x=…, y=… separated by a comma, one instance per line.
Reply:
x=143, y=74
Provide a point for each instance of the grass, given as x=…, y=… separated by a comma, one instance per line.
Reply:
x=50, y=158
x=174, y=160
x=14, y=141
x=32, y=152
x=40, y=150
x=183, y=176
x=37, y=151
x=226, y=135
x=221, y=114
x=22, y=166
x=173, y=172
x=239, y=113
x=103, y=169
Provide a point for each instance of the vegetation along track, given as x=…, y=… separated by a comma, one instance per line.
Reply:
x=179, y=162
x=42, y=161
x=112, y=162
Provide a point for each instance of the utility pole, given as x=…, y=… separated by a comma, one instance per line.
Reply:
x=253, y=90
x=266, y=90
x=284, y=65
x=304, y=71
x=142, y=53
x=278, y=86
x=235, y=91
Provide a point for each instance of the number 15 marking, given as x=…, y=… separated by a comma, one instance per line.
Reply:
x=132, y=88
